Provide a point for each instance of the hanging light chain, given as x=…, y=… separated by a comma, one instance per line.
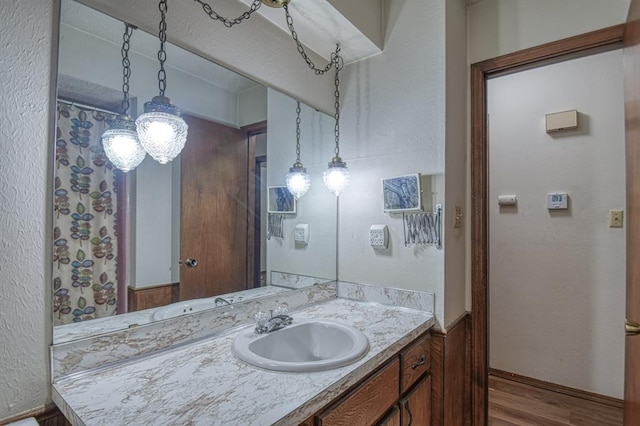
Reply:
x=298, y=132
x=126, y=67
x=294, y=35
x=226, y=21
x=162, y=55
x=336, y=59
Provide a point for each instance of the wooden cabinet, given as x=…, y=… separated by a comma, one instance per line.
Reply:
x=397, y=393
x=392, y=418
x=416, y=405
x=368, y=402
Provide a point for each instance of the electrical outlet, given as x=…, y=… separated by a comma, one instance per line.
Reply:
x=379, y=236
x=616, y=218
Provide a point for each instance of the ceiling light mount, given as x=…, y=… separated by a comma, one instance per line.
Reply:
x=276, y=3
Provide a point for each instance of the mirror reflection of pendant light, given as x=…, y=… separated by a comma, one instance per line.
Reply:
x=336, y=177
x=120, y=141
x=161, y=130
x=298, y=180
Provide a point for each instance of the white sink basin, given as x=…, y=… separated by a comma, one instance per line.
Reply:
x=182, y=308
x=303, y=346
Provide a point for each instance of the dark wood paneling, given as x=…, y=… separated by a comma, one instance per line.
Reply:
x=253, y=210
x=152, y=297
x=582, y=45
x=632, y=157
x=450, y=402
x=45, y=416
x=437, y=377
x=553, y=387
x=513, y=403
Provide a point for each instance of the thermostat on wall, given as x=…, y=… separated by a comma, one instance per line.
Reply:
x=301, y=233
x=557, y=200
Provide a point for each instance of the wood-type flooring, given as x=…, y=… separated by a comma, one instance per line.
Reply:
x=512, y=403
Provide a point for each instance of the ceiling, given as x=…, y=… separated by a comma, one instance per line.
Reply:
x=89, y=21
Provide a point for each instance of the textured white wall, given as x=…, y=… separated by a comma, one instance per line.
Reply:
x=393, y=123
x=558, y=278
x=455, y=159
x=497, y=27
x=25, y=164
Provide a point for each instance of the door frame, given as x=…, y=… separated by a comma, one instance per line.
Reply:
x=253, y=225
x=570, y=48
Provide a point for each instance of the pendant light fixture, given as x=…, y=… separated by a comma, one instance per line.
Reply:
x=161, y=130
x=336, y=177
x=120, y=141
x=298, y=180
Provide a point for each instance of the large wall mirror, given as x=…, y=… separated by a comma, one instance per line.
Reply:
x=205, y=227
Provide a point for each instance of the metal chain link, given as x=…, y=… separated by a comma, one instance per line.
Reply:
x=226, y=21
x=336, y=60
x=294, y=34
x=126, y=67
x=298, y=132
x=162, y=55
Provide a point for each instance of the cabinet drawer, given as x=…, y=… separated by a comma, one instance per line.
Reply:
x=368, y=402
x=416, y=360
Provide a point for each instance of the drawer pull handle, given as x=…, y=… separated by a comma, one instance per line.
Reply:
x=417, y=364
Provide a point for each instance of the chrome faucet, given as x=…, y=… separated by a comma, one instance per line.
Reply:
x=274, y=322
x=220, y=300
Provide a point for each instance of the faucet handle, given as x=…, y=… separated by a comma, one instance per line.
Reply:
x=281, y=310
x=261, y=319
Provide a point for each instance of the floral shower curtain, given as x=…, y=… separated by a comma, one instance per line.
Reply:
x=84, y=240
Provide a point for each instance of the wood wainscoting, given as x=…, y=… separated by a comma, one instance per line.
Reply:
x=48, y=415
x=152, y=297
x=451, y=374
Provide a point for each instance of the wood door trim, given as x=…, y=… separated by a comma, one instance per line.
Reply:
x=562, y=50
x=251, y=131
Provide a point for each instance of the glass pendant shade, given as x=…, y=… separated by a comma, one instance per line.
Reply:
x=336, y=177
x=121, y=145
x=161, y=130
x=298, y=180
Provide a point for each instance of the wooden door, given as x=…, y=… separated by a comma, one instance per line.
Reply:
x=632, y=143
x=214, y=210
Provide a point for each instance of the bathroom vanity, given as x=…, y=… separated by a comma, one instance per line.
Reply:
x=200, y=381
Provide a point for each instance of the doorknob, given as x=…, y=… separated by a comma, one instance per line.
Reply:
x=631, y=328
x=191, y=262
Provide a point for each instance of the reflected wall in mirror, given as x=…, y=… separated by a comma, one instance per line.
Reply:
x=191, y=229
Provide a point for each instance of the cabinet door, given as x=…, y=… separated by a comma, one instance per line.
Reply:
x=416, y=405
x=392, y=418
x=369, y=402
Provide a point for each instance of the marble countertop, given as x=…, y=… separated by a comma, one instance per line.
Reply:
x=203, y=383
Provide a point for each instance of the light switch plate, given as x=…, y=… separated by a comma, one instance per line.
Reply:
x=616, y=218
